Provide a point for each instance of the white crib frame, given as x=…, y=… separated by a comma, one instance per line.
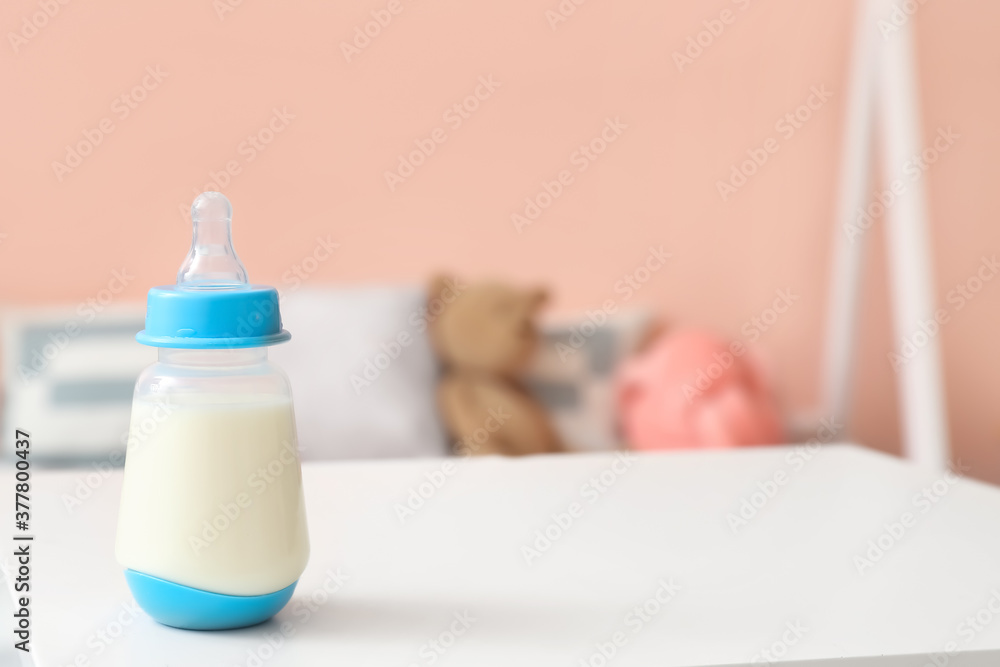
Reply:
x=883, y=105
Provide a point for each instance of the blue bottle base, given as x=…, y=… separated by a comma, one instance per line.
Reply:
x=194, y=609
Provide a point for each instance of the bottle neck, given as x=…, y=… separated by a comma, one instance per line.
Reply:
x=245, y=356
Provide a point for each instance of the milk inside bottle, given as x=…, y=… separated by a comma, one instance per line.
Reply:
x=212, y=527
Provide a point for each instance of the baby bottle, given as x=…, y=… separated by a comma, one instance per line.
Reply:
x=212, y=526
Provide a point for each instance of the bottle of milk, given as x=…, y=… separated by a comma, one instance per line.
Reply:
x=212, y=525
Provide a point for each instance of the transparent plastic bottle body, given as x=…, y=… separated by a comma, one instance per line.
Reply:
x=212, y=494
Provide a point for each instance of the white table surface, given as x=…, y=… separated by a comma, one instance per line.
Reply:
x=664, y=518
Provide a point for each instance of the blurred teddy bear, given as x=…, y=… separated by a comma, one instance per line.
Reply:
x=484, y=337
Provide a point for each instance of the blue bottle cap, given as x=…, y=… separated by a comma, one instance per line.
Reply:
x=212, y=305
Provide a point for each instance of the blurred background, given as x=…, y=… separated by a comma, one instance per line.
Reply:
x=369, y=146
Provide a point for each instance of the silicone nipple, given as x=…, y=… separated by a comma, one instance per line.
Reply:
x=212, y=262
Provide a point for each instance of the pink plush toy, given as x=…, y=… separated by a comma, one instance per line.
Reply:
x=692, y=390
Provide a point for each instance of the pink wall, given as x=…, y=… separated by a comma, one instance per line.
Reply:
x=656, y=184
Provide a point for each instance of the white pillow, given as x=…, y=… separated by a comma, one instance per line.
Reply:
x=363, y=373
